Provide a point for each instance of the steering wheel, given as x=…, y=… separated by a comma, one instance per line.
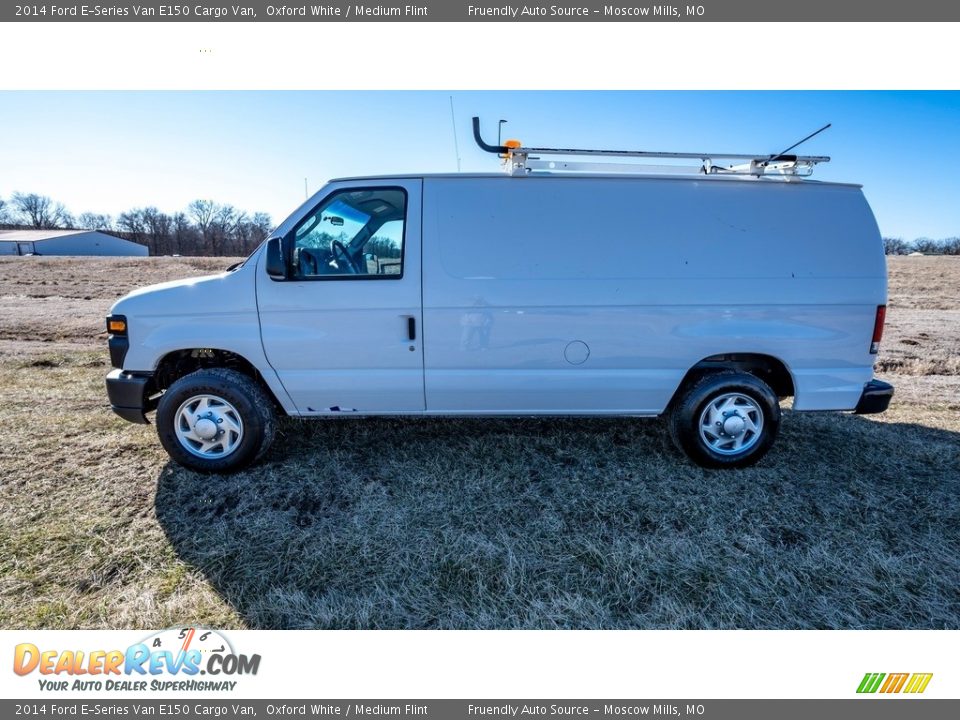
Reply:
x=339, y=250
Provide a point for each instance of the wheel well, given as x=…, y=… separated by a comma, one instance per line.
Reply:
x=766, y=367
x=178, y=363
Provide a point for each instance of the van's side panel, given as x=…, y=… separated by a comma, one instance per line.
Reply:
x=596, y=295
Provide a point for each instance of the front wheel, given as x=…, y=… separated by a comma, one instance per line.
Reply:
x=725, y=420
x=215, y=420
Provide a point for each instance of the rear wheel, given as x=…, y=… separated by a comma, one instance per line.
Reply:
x=725, y=420
x=215, y=420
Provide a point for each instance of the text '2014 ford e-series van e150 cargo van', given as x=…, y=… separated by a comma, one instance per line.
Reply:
x=705, y=297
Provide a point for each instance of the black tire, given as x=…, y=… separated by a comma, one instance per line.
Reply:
x=692, y=406
x=249, y=401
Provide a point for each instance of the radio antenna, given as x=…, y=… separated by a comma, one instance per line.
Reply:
x=781, y=155
x=453, y=123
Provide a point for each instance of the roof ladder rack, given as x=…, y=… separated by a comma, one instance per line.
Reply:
x=520, y=160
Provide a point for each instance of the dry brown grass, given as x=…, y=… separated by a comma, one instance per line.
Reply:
x=922, y=336
x=849, y=522
x=69, y=297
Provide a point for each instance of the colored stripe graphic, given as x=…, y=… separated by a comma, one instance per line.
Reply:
x=918, y=683
x=870, y=682
x=894, y=682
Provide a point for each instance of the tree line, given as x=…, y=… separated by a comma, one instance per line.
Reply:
x=210, y=228
x=205, y=227
x=927, y=246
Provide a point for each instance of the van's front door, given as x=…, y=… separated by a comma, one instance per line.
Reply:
x=343, y=331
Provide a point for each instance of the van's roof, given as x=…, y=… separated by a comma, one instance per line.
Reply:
x=792, y=180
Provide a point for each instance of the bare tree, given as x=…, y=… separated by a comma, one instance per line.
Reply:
x=40, y=212
x=131, y=224
x=927, y=246
x=158, y=226
x=951, y=246
x=216, y=223
x=895, y=246
x=184, y=234
x=225, y=222
x=202, y=212
x=94, y=221
x=253, y=231
x=262, y=226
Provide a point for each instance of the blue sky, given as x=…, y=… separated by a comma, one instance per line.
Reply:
x=110, y=151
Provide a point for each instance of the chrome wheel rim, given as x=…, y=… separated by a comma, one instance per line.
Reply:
x=731, y=423
x=208, y=426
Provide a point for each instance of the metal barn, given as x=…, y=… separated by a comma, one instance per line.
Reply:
x=66, y=242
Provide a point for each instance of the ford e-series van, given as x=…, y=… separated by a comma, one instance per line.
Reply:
x=706, y=298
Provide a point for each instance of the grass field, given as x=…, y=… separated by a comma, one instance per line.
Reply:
x=850, y=522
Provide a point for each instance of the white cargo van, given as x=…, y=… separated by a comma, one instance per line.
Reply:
x=703, y=297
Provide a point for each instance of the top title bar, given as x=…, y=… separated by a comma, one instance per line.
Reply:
x=459, y=11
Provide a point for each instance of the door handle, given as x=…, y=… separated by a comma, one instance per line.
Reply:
x=411, y=328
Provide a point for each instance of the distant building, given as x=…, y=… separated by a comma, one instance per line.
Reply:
x=66, y=242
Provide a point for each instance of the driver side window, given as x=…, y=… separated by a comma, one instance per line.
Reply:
x=352, y=234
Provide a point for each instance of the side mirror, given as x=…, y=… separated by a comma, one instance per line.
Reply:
x=276, y=267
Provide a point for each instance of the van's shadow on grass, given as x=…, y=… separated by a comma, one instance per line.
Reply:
x=848, y=523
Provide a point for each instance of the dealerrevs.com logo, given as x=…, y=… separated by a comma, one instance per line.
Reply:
x=169, y=660
x=910, y=683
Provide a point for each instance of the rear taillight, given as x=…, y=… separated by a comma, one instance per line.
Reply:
x=878, y=329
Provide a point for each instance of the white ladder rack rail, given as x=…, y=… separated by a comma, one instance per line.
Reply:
x=524, y=160
x=520, y=160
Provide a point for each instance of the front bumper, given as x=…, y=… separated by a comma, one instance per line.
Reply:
x=875, y=397
x=128, y=395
